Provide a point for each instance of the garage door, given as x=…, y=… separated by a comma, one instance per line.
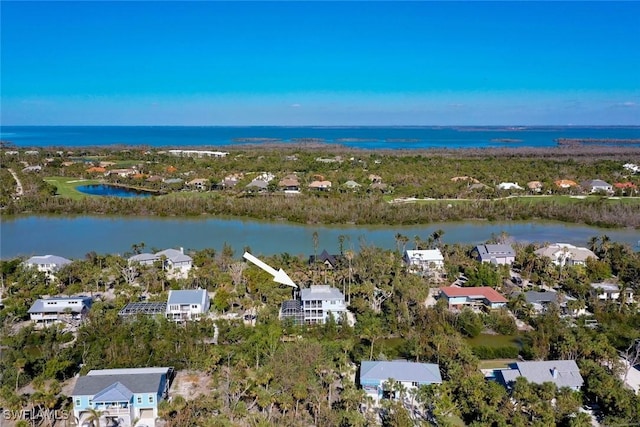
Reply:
x=146, y=413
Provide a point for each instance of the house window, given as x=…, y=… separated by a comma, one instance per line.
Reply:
x=77, y=402
x=150, y=399
x=139, y=399
x=194, y=306
x=90, y=403
x=415, y=384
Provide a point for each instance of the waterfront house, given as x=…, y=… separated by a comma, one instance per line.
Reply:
x=47, y=263
x=596, y=185
x=376, y=376
x=494, y=254
x=189, y=304
x=329, y=261
x=123, y=173
x=563, y=373
x=175, y=261
x=69, y=311
x=122, y=397
x=321, y=301
x=541, y=302
x=482, y=296
x=425, y=260
x=565, y=254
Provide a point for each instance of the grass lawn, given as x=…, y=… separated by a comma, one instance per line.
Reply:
x=67, y=186
x=495, y=363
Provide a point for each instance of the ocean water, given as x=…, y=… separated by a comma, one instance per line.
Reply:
x=406, y=137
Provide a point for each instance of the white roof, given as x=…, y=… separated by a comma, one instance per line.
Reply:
x=128, y=371
x=426, y=254
x=321, y=292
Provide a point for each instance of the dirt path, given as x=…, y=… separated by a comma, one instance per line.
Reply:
x=19, y=191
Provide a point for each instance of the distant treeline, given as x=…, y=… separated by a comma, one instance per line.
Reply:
x=338, y=209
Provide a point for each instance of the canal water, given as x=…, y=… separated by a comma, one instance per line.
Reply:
x=73, y=237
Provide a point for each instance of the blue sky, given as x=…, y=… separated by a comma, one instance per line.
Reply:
x=320, y=63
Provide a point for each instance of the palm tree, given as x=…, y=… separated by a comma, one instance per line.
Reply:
x=94, y=417
x=19, y=364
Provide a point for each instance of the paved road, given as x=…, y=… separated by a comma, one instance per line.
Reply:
x=19, y=191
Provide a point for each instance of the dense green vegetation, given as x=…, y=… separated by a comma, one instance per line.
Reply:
x=405, y=175
x=280, y=374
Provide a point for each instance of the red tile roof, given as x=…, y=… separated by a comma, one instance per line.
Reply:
x=625, y=185
x=486, y=292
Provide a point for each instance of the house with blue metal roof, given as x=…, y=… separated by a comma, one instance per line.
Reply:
x=122, y=397
x=375, y=376
x=187, y=304
x=563, y=373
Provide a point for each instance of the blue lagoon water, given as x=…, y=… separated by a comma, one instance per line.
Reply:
x=111, y=191
x=367, y=137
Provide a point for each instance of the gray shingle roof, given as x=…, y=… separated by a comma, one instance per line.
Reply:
x=567, y=373
x=400, y=371
x=91, y=385
x=533, y=297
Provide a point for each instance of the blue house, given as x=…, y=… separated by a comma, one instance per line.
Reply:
x=121, y=396
x=373, y=375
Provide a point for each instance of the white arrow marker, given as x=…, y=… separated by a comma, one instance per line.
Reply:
x=279, y=276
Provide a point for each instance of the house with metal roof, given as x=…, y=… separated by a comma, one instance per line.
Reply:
x=457, y=297
x=605, y=291
x=595, y=185
x=425, y=260
x=494, y=254
x=122, y=397
x=187, y=304
x=565, y=254
x=47, y=263
x=375, y=376
x=65, y=310
x=321, y=301
x=563, y=373
x=175, y=261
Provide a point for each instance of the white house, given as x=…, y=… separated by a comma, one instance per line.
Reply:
x=610, y=291
x=596, y=185
x=375, y=376
x=190, y=304
x=565, y=254
x=424, y=259
x=318, y=302
x=175, y=261
x=65, y=310
x=122, y=397
x=509, y=186
x=632, y=167
x=47, y=263
x=563, y=373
